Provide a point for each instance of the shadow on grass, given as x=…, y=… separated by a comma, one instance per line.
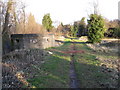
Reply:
x=53, y=71
x=91, y=76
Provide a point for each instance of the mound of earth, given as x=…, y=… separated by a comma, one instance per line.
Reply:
x=17, y=67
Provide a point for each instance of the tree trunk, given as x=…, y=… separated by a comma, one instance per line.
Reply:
x=6, y=31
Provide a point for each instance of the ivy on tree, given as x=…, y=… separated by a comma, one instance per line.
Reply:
x=96, y=28
x=47, y=22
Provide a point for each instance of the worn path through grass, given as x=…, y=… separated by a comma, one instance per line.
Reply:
x=54, y=72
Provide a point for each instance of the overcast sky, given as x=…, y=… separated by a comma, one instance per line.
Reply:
x=68, y=11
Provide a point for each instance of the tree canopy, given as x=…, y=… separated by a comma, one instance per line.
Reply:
x=47, y=22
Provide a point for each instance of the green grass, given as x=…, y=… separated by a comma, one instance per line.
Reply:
x=54, y=73
x=88, y=67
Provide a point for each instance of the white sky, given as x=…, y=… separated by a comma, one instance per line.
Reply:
x=68, y=11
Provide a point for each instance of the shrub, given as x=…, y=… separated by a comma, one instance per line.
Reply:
x=116, y=33
x=96, y=28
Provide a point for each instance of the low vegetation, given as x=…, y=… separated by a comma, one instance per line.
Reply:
x=91, y=68
x=91, y=71
x=96, y=66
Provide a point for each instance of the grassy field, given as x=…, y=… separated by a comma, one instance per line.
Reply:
x=54, y=72
x=89, y=70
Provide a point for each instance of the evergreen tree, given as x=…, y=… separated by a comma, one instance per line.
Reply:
x=78, y=28
x=47, y=22
x=116, y=32
x=62, y=24
x=82, y=27
x=96, y=28
x=74, y=29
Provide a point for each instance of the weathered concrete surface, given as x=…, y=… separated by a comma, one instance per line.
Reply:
x=26, y=41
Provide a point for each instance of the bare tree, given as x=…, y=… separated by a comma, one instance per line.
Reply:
x=6, y=31
x=94, y=8
x=11, y=18
x=1, y=16
x=7, y=16
x=19, y=17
